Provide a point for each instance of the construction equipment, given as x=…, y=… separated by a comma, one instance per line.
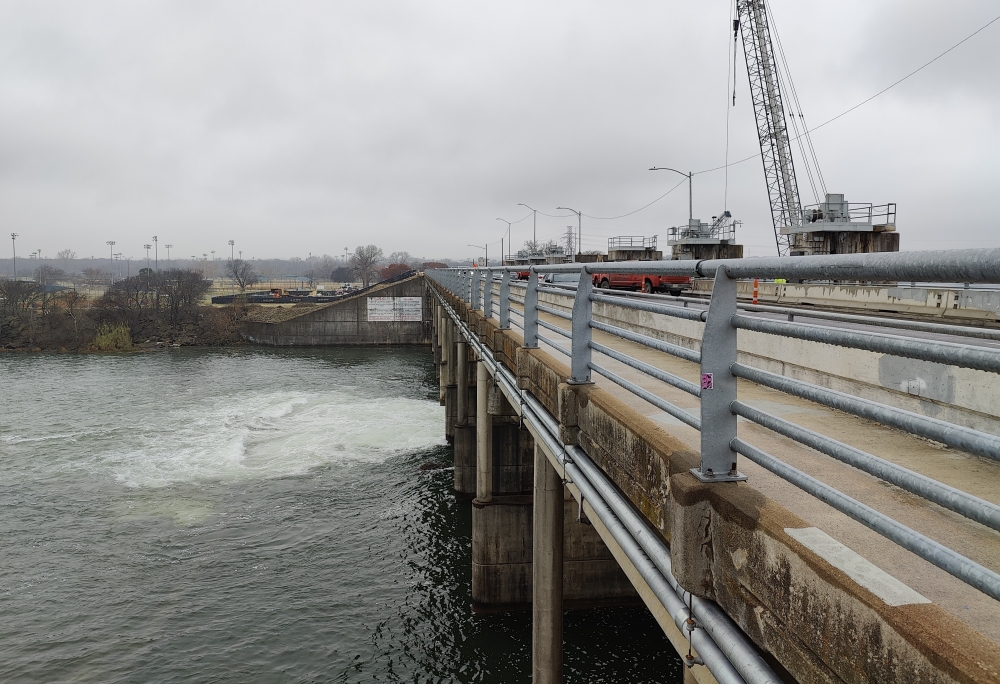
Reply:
x=831, y=226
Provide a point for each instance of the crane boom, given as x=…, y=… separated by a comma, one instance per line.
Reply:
x=772, y=130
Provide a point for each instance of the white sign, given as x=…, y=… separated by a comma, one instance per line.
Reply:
x=395, y=309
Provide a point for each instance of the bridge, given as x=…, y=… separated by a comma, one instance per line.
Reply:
x=798, y=493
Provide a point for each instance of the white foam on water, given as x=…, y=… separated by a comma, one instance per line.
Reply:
x=276, y=434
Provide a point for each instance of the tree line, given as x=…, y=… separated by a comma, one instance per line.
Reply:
x=158, y=307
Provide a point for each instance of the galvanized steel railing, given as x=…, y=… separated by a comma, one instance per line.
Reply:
x=719, y=369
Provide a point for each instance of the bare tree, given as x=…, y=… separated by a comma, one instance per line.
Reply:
x=183, y=289
x=46, y=274
x=66, y=255
x=402, y=258
x=364, y=263
x=242, y=272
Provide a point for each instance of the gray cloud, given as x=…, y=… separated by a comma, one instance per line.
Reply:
x=298, y=127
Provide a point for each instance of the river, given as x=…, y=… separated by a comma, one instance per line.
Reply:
x=254, y=515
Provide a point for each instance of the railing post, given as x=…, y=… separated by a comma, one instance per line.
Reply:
x=505, y=300
x=488, y=295
x=582, y=309
x=718, y=385
x=531, y=310
x=467, y=282
x=474, y=282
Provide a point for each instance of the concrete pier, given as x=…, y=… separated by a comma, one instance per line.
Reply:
x=547, y=574
x=484, y=437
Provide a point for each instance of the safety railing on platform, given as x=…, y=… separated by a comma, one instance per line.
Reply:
x=492, y=290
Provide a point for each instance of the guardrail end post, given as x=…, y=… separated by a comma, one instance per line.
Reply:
x=718, y=385
x=582, y=310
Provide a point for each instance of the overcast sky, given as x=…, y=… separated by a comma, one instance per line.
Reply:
x=298, y=127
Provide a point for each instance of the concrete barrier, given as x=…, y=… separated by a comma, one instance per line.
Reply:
x=384, y=315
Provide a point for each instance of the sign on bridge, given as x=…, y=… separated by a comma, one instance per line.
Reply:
x=394, y=309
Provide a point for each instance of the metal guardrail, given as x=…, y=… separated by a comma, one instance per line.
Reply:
x=719, y=369
x=720, y=644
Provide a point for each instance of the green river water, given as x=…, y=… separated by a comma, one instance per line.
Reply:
x=254, y=516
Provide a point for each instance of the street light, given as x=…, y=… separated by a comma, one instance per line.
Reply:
x=579, y=227
x=487, y=248
x=13, y=247
x=534, y=218
x=111, y=243
x=687, y=175
x=508, y=240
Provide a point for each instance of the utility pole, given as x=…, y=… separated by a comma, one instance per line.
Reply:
x=13, y=247
x=534, y=225
x=502, y=255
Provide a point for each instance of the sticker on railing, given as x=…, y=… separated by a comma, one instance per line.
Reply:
x=706, y=381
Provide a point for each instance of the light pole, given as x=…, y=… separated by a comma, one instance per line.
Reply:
x=168, y=254
x=502, y=255
x=487, y=248
x=32, y=257
x=128, y=267
x=111, y=243
x=118, y=257
x=13, y=248
x=232, y=260
x=579, y=227
x=534, y=227
x=156, y=254
x=687, y=175
x=147, y=263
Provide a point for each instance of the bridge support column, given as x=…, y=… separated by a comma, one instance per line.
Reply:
x=484, y=437
x=451, y=387
x=439, y=351
x=465, y=424
x=547, y=574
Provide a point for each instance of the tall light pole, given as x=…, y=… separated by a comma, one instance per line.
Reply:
x=118, y=257
x=147, y=263
x=534, y=226
x=111, y=243
x=487, y=248
x=13, y=248
x=687, y=175
x=232, y=260
x=156, y=254
x=508, y=240
x=579, y=227
x=168, y=254
x=128, y=267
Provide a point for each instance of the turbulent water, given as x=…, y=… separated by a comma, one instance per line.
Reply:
x=233, y=516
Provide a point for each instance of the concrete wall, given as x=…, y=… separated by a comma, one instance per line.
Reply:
x=346, y=322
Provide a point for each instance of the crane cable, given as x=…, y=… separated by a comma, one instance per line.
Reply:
x=863, y=102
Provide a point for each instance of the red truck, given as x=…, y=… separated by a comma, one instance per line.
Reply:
x=647, y=282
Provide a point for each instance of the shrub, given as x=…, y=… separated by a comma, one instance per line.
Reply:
x=113, y=337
